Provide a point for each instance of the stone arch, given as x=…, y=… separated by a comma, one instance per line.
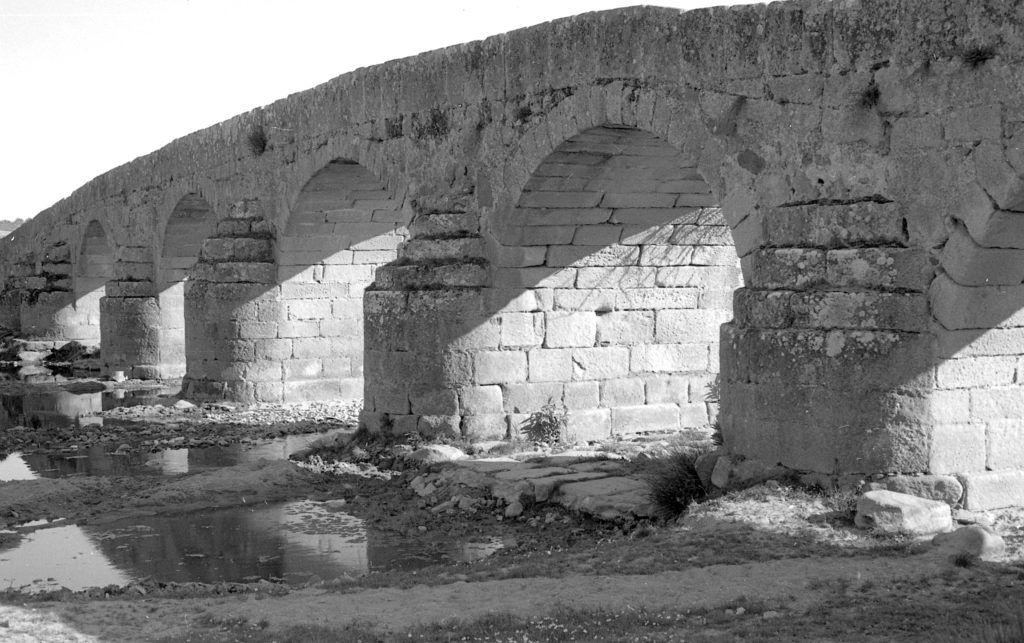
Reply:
x=94, y=267
x=189, y=224
x=618, y=268
x=342, y=224
x=977, y=305
x=674, y=117
x=488, y=292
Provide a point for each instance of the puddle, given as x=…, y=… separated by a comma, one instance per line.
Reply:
x=295, y=542
x=63, y=409
x=98, y=461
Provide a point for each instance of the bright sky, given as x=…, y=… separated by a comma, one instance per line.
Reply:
x=86, y=85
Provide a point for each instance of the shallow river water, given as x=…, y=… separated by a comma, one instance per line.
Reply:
x=293, y=541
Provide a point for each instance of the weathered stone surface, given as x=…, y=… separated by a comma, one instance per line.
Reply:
x=945, y=489
x=733, y=474
x=973, y=540
x=891, y=512
x=985, y=490
x=607, y=498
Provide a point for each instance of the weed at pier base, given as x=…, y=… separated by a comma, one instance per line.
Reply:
x=674, y=484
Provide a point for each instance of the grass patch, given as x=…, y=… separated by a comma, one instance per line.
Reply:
x=562, y=624
x=673, y=483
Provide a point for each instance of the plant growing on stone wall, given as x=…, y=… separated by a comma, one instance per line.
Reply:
x=673, y=483
x=712, y=395
x=717, y=439
x=547, y=424
x=257, y=140
x=870, y=96
x=977, y=55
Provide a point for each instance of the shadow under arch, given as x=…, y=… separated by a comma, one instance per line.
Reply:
x=612, y=275
x=94, y=267
x=190, y=224
x=342, y=224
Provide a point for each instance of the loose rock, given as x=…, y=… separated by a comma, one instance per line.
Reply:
x=973, y=540
x=435, y=453
x=891, y=512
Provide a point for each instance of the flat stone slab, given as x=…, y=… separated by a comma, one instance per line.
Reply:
x=607, y=466
x=544, y=488
x=567, y=458
x=607, y=498
x=527, y=473
x=592, y=487
x=491, y=464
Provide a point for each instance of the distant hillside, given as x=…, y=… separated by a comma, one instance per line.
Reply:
x=6, y=227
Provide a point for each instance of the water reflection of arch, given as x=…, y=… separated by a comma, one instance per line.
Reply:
x=51, y=409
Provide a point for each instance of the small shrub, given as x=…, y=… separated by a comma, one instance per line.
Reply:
x=870, y=96
x=546, y=424
x=713, y=395
x=713, y=390
x=977, y=55
x=716, y=434
x=673, y=483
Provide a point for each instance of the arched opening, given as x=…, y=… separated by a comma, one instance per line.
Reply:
x=189, y=225
x=94, y=268
x=344, y=223
x=614, y=272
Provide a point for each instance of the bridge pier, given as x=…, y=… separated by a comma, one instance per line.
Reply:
x=130, y=328
x=47, y=305
x=828, y=364
x=423, y=318
x=232, y=308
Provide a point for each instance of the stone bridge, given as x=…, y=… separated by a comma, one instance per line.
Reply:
x=819, y=203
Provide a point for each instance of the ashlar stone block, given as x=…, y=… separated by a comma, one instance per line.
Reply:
x=570, y=329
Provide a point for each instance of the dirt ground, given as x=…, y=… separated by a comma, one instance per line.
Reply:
x=768, y=563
